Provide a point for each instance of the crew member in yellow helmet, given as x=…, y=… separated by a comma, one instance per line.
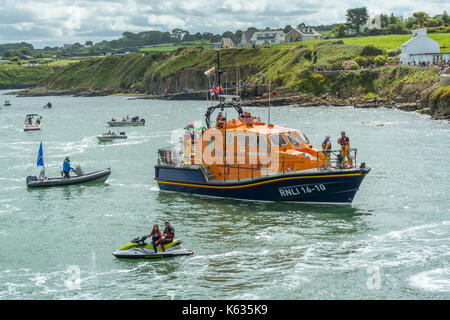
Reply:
x=344, y=141
x=326, y=148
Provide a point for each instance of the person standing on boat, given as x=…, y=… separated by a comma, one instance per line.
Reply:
x=67, y=168
x=344, y=141
x=326, y=148
x=220, y=120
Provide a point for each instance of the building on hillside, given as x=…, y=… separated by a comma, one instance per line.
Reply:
x=421, y=48
x=374, y=23
x=262, y=38
x=227, y=43
x=303, y=34
x=245, y=39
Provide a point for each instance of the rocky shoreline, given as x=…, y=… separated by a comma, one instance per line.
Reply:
x=295, y=100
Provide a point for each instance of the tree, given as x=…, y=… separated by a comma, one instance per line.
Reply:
x=384, y=20
x=228, y=34
x=301, y=25
x=25, y=51
x=179, y=34
x=357, y=17
x=339, y=30
x=421, y=17
x=445, y=17
x=88, y=43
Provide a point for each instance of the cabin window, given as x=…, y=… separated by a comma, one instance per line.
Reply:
x=262, y=143
x=241, y=139
x=305, y=138
x=293, y=138
x=211, y=145
x=251, y=139
x=230, y=138
x=277, y=140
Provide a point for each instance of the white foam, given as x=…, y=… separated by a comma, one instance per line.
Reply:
x=433, y=280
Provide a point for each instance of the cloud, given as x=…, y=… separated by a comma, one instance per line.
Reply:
x=50, y=22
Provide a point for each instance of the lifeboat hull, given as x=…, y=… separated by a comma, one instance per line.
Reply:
x=323, y=187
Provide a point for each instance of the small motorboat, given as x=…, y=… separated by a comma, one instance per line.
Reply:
x=7, y=103
x=81, y=177
x=110, y=136
x=31, y=124
x=48, y=106
x=139, y=249
x=126, y=122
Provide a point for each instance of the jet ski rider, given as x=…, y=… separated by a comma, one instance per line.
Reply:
x=167, y=236
x=156, y=237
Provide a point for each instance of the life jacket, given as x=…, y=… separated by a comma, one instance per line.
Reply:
x=155, y=236
x=344, y=141
x=326, y=145
x=66, y=166
x=170, y=232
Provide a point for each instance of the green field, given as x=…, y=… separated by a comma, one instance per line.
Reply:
x=175, y=46
x=13, y=74
x=383, y=42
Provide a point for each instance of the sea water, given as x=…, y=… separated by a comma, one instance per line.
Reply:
x=393, y=242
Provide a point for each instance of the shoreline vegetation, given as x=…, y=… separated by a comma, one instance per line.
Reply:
x=303, y=75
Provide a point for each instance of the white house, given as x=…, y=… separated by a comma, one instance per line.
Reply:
x=303, y=34
x=420, y=48
x=245, y=39
x=261, y=38
x=374, y=23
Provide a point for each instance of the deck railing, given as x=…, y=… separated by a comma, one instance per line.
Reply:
x=325, y=160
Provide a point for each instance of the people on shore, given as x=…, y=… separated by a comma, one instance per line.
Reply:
x=344, y=141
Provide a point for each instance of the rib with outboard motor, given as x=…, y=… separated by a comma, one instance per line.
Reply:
x=81, y=177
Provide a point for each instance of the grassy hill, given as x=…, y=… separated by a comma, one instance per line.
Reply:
x=175, y=46
x=385, y=42
x=20, y=75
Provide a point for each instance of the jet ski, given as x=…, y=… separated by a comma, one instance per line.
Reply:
x=139, y=249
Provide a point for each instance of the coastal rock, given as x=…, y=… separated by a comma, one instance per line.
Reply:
x=407, y=106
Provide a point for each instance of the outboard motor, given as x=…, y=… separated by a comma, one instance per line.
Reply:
x=78, y=171
x=31, y=179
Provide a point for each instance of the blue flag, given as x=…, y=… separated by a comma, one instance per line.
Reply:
x=40, y=158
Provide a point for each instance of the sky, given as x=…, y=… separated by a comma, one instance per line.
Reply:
x=55, y=22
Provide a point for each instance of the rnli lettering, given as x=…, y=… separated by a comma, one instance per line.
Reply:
x=301, y=190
